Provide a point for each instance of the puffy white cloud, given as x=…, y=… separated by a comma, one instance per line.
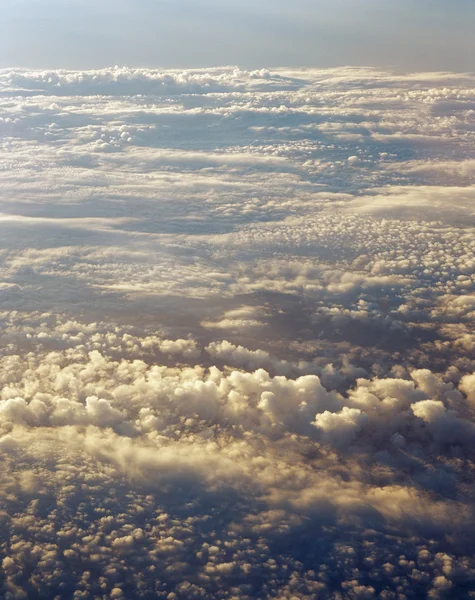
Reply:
x=340, y=428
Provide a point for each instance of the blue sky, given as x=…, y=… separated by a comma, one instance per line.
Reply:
x=427, y=34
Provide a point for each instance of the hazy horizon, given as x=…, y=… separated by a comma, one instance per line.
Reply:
x=85, y=34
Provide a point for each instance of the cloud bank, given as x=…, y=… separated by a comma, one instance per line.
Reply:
x=236, y=325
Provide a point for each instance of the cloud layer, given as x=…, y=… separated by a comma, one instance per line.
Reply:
x=237, y=334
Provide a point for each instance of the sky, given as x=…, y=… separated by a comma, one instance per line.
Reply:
x=84, y=34
x=237, y=303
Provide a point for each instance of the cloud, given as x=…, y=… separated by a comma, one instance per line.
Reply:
x=124, y=80
x=167, y=442
x=236, y=323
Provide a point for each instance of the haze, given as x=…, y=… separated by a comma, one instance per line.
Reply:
x=407, y=35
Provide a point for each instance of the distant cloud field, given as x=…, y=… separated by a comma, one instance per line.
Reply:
x=237, y=334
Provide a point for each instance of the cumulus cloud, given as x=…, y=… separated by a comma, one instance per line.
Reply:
x=236, y=326
x=234, y=462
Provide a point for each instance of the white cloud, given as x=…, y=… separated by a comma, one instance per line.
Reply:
x=236, y=311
